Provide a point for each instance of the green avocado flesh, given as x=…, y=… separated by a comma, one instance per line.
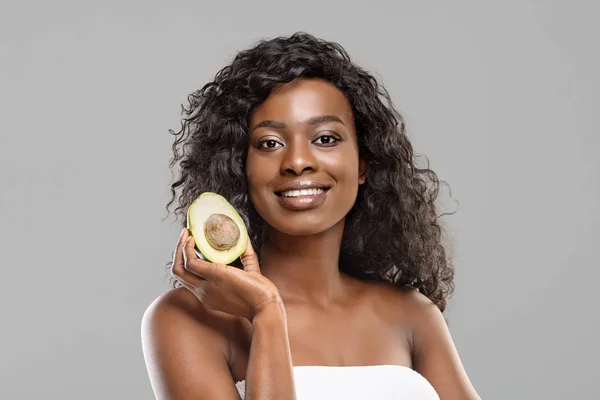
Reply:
x=218, y=230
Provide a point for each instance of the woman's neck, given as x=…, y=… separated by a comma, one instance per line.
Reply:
x=304, y=268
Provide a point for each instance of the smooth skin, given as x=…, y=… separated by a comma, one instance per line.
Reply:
x=296, y=307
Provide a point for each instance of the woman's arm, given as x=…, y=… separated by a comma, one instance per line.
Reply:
x=187, y=332
x=187, y=352
x=435, y=355
x=269, y=374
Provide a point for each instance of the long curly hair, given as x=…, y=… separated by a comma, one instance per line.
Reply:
x=392, y=232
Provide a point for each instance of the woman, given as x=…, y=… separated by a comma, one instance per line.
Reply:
x=343, y=297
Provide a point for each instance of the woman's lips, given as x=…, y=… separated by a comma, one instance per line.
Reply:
x=302, y=202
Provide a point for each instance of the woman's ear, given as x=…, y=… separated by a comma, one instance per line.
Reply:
x=362, y=171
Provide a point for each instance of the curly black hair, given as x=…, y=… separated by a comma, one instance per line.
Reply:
x=406, y=249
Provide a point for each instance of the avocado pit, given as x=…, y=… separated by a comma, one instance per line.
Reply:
x=221, y=232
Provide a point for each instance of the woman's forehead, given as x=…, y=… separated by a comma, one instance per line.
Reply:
x=303, y=99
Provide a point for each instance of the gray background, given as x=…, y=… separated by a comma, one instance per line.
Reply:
x=499, y=96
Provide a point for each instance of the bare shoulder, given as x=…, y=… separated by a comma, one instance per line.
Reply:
x=405, y=303
x=419, y=307
x=186, y=347
x=412, y=306
x=415, y=311
x=434, y=353
x=179, y=306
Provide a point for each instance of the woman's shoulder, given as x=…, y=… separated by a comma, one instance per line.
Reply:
x=407, y=305
x=186, y=346
x=179, y=315
x=405, y=295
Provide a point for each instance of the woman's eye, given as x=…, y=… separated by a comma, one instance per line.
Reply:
x=268, y=144
x=326, y=139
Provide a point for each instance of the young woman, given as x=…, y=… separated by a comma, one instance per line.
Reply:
x=341, y=290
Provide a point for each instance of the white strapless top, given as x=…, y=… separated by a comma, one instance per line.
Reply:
x=372, y=382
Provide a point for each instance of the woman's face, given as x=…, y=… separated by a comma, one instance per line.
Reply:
x=303, y=134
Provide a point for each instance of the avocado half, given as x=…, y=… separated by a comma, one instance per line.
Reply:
x=218, y=230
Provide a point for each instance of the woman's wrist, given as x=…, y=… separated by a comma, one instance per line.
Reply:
x=270, y=311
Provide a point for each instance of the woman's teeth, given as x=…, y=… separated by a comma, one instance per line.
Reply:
x=303, y=192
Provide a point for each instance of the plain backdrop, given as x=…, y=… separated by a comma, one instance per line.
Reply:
x=500, y=96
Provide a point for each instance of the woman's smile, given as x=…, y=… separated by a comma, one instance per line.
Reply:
x=302, y=199
x=302, y=195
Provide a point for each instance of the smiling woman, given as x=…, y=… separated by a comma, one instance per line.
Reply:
x=341, y=289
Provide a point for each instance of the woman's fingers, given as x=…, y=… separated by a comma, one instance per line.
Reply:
x=190, y=270
x=178, y=270
x=199, y=267
x=178, y=257
x=249, y=259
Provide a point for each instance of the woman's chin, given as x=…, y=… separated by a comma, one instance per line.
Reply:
x=304, y=227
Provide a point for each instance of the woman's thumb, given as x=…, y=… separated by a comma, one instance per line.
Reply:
x=249, y=259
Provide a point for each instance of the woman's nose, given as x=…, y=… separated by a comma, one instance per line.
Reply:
x=299, y=157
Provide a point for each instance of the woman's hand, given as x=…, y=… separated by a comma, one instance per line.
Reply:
x=243, y=293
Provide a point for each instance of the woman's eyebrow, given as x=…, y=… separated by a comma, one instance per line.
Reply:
x=324, y=118
x=267, y=123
